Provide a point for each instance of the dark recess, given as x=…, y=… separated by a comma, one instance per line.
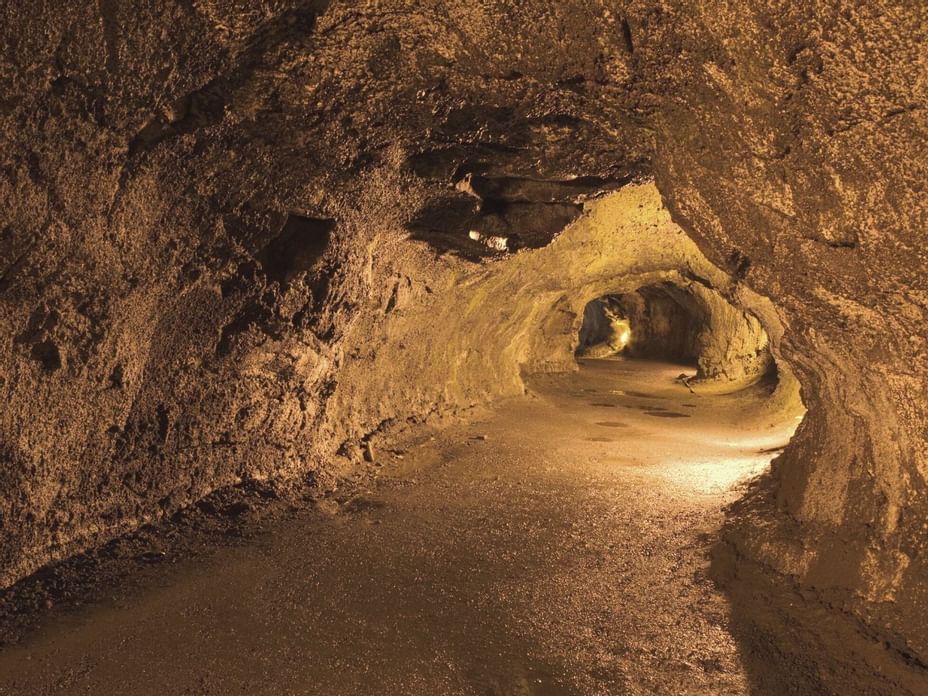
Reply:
x=300, y=244
x=627, y=36
x=48, y=355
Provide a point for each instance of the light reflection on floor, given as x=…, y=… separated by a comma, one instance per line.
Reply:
x=556, y=547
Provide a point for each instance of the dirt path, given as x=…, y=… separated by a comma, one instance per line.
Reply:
x=565, y=553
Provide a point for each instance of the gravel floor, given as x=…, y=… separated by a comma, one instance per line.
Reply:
x=557, y=546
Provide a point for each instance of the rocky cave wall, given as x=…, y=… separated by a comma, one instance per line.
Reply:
x=795, y=154
x=595, y=325
x=463, y=333
x=663, y=327
x=203, y=203
x=206, y=272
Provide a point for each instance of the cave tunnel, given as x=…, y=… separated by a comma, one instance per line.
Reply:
x=427, y=347
x=674, y=348
x=687, y=324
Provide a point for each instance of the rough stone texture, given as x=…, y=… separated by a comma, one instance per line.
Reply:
x=204, y=217
x=192, y=194
x=794, y=150
x=465, y=332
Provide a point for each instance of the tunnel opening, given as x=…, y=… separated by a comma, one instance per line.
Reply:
x=650, y=322
x=642, y=455
x=680, y=349
x=688, y=324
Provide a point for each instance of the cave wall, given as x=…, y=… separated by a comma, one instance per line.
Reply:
x=202, y=204
x=683, y=321
x=595, y=326
x=459, y=334
x=662, y=327
x=162, y=166
x=795, y=154
x=732, y=345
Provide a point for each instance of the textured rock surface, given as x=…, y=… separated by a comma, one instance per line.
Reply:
x=465, y=332
x=198, y=199
x=795, y=154
x=205, y=270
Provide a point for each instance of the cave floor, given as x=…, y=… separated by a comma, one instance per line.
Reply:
x=557, y=544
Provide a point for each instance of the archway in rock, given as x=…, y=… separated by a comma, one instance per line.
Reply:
x=687, y=334
x=549, y=496
x=687, y=323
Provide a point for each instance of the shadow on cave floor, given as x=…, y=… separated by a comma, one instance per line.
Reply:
x=556, y=545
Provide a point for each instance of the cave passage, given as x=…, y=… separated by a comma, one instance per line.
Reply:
x=661, y=322
x=688, y=324
x=688, y=334
x=431, y=347
x=544, y=529
x=553, y=544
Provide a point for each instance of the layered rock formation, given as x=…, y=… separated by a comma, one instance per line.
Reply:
x=229, y=230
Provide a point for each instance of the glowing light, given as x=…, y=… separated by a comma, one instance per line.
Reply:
x=491, y=241
x=623, y=334
x=724, y=474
